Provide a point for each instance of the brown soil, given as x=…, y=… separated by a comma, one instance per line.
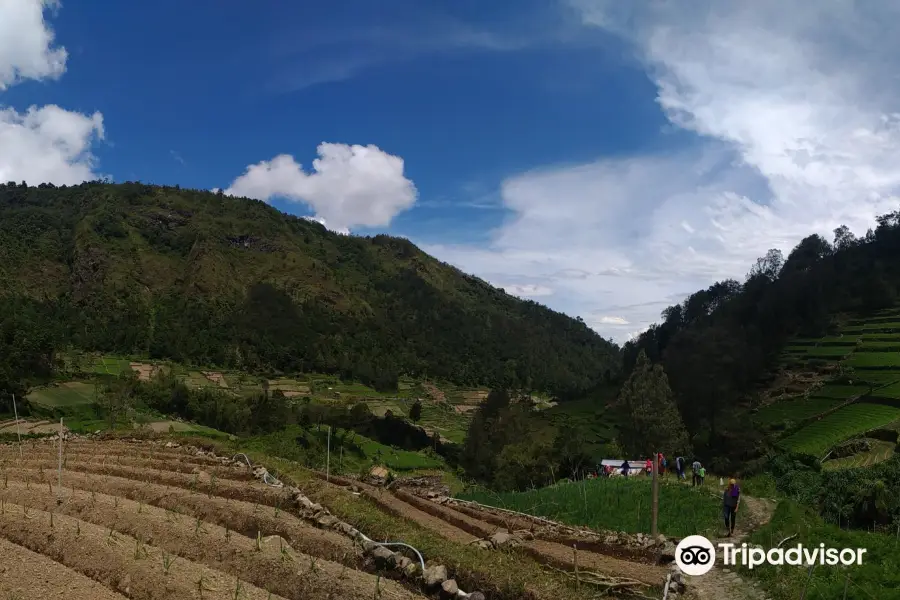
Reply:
x=436, y=394
x=31, y=427
x=75, y=463
x=545, y=551
x=462, y=528
x=393, y=505
x=585, y=539
x=25, y=575
x=145, y=371
x=241, y=517
x=268, y=563
x=117, y=561
x=216, y=378
x=464, y=408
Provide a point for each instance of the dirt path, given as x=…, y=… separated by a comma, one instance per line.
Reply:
x=26, y=575
x=723, y=582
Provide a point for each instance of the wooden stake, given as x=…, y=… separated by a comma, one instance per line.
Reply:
x=655, y=508
x=575, y=560
x=59, y=479
x=18, y=434
x=328, y=455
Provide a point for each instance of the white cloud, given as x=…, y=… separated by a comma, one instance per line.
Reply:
x=26, y=50
x=606, y=320
x=48, y=144
x=528, y=290
x=41, y=144
x=350, y=186
x=798, y=131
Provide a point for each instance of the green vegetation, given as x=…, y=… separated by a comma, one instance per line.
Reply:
x=618, y=504
x=838, y=426
x=878, y=576
x=874, y=359
x=205, y=279
x=794, y=410
x=70, y=393
x=880, y=451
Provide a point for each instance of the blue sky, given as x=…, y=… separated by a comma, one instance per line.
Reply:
x=601, y=159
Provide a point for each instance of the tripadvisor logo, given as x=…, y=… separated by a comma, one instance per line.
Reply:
x=695, y=555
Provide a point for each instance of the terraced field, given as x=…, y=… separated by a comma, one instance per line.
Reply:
x=144, y=521
x=880, y=451
x=840, y=425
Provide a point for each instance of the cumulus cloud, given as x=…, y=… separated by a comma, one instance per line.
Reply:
x=26, y=50
x=48, y=144
x=41, y=144
x=798, y=131
x=349, y=186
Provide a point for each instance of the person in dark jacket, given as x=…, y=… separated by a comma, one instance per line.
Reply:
x=679, y=467
x=625, y=467
x=731, y=500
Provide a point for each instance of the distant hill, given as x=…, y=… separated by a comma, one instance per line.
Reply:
x=209, y=279
x=723, y=348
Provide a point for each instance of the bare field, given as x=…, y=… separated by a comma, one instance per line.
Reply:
x=149, y=519
x=147, y=523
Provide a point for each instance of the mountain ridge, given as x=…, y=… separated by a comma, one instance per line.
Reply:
x=208, y=278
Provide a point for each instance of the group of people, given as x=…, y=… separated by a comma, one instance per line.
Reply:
x=731, y=497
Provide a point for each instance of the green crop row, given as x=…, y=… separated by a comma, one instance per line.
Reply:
x=840, y=425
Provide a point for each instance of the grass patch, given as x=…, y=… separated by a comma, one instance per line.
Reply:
x=619, y=504
x=795, y=410
x=818, y=437
x=874, y=359
x=840, y=391
x=878, y=576
x=70, y=393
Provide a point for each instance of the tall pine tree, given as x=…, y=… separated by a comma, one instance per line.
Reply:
x=652, y=422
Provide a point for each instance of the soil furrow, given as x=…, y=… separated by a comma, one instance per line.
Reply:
x=242, y=517
x=220, y=472
x=122, y=563
x=236, y=490
x=545, y=551
x=267, y=562
x=26, y=575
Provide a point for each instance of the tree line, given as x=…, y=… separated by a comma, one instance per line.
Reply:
x=205, y=279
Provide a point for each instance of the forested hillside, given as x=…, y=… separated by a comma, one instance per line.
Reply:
x=209, y=279
x=720, y=344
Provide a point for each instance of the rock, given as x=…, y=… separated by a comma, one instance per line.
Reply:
x=449, y=588
x=476, y=596
x=411, y=570
x=501, y=539
x=484, y=544
x=435, y=576
x=402, y=562
x=368, y=546
x=384, y=558
x=327, y=520
x=667, y=552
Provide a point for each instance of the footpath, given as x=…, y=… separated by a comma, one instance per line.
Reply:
x=722, y=582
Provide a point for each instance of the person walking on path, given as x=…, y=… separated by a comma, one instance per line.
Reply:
x=731, y=500
x=661, y=465
x=695, y=480
x=679, y=467
x=702, y=475
x=625, y=467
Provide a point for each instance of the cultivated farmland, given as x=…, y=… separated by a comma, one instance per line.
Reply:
x=840, y=425
x=149, y=521
x=615, y=503
x=880, y=451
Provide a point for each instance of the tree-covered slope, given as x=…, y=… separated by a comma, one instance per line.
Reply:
x=211, y=279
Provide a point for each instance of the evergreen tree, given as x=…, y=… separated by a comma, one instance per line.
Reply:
x=652, y=422
x=415, y=411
